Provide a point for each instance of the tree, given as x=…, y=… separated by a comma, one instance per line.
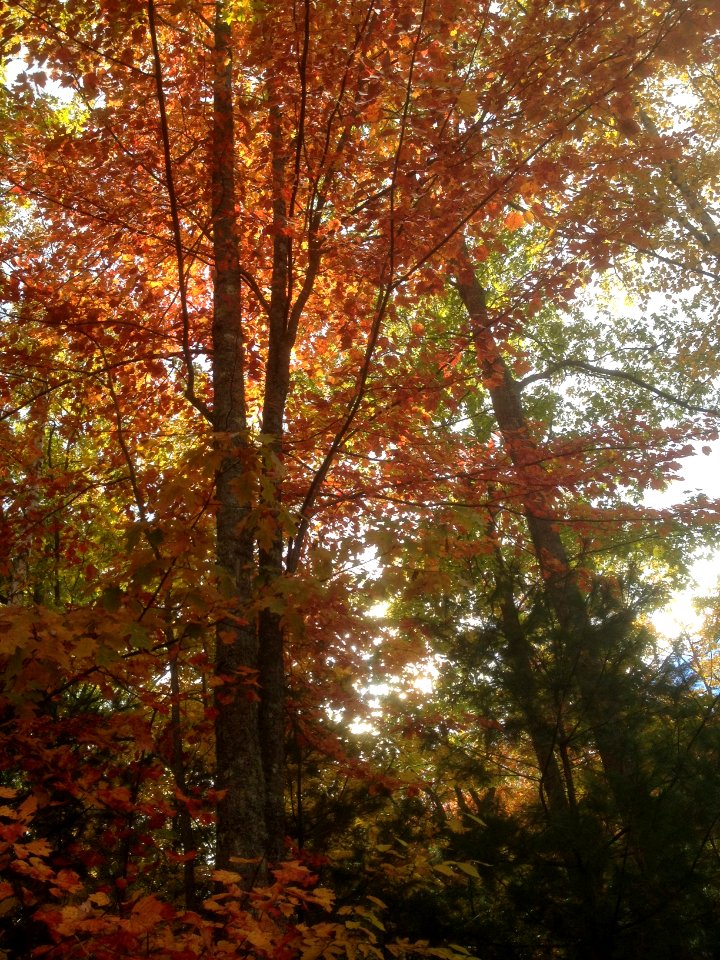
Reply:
x=251, y=208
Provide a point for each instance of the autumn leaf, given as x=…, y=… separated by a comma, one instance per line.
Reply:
x=467, y=103
x=226, y=876
x=314, y=460
x=514, y=220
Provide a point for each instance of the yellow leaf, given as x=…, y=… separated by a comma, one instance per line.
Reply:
x=213, y=906
x=41, y=848
x=226, y=876
x=257, y=937
x=467, y=103
x=376, y=901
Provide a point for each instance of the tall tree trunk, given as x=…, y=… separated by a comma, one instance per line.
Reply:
x=277, y=382
x=242, y=832
x=560, y=583
x=250, y=722
x=580, y=638
x=557, y=778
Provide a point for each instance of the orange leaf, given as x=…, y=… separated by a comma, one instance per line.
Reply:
x=514, y=220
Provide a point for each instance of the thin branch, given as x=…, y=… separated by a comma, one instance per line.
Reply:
x=300, y=139
x=494, y=191
x=315, y=193
x=710, y=240
x=106, y=368
x=123, y=478
x=679, y=264
x=296, y=544
x=129, y=462
x=609, y=374
x=401, y=139
x=198, y=403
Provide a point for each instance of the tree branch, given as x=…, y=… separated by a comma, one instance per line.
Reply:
x=196, y=401
x=609, y=374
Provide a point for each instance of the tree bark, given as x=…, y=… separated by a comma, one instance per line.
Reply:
x=277, y=384
x=250, y=722
x=522, y=685
x=242, y=833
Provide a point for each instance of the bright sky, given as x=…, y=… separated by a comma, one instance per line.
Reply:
x=701, y=474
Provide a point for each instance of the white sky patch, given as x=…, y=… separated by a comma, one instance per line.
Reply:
x=13, y=67
x=415, y=678
x=62, y=95
x=700, y=475
x=424, y=679
x=379, y=610
x=679, y=616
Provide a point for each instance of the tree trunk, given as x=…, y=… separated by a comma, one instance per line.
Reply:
x=241, y=824
x=250, y=725
x=542, y=728
x=560, y=584
x=277, y=382
x=580, y=639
